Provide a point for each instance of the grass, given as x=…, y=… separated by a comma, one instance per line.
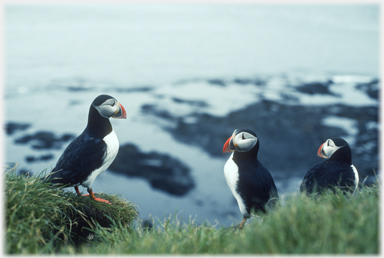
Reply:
x=42, y=219
x=329, y=224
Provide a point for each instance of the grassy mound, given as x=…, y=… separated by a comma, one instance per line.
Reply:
x=329, y=224
x=45, y=220
x=42, y=219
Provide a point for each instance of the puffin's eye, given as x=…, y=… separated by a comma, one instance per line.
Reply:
x=242, y=136
x=113, y=104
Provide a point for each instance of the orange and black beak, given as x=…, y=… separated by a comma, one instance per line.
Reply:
x=321, y=153
x=120, y=114
x=230, y=145
x=227, y=144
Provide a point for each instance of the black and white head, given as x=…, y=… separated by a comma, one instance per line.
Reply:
x=108, y=106
x=242, y=140
x=335, y=148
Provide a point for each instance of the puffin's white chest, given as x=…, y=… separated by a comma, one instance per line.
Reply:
x=231, y=173
x=112, y=149
x=356, y=177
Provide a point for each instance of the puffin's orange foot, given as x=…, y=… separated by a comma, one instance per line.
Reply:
x=98, y=199
x=242, y=223
x=101, y=200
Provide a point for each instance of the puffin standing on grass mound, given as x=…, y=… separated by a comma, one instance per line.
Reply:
x=91, y=153
x=336, y=171
x=250, y=182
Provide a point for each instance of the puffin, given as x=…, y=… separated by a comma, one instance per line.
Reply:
x=249, y=180
x=336, y=171
x=91, y=153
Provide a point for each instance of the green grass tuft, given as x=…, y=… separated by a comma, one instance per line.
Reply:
x=43, y=219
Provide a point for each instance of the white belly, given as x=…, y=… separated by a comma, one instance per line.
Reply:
x=356, y=177
x=112, y=150
x=231, y=173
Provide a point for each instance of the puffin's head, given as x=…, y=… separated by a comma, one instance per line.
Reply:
x=334, y=148
x=108, y=106
x=242, y=140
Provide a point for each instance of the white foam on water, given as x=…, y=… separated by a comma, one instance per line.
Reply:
x=347, y=124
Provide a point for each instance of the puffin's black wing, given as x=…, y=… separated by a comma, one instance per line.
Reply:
x=327, y=174
x=310, y=181
x=256, y=186
x=82, y=156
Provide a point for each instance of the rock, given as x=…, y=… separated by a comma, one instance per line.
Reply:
x=45, y=140
x=217, y=82
x=243, y=81
x=371, y=88
x=78, y=88
x=316, y=88
x=191, y=102
x=255, y=81
x=150, y=108
x=25, y=172
x=41, y=158
x=136, y=89
x=162, y=171
x=289, y=134
x=12, y=127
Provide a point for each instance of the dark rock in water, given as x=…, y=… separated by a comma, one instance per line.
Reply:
x=24, y=172
x=45, y=140
x=30, y=159
x=191, y=102
x=162, y=171
x=67, y=137
x=136, y=89
x=78, y=88
x=41, y=158
x=11, y=127
x=75, y=102
x=255, y=81
x=149, y=108
x=285, y=137
x=316, y=88
x=242, y=81
x=217, y=82
x=371, y=88
x=289, y=134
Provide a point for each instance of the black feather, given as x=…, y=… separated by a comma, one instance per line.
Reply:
x=82, y=156
x=327, y=175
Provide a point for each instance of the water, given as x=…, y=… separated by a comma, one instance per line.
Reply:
x=126, y=44
x=102, y=47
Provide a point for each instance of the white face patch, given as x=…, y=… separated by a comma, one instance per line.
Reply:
x=108, y=108
x=329, y=148
x=244, y=141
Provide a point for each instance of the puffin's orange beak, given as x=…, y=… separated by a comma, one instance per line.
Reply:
x=124, y=113
x=320, y=152
x=226, y=145
x=120, y=114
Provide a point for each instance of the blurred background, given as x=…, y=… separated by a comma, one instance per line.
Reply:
x=188, y=75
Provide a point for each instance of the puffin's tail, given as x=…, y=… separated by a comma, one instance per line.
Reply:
x=53, y=178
